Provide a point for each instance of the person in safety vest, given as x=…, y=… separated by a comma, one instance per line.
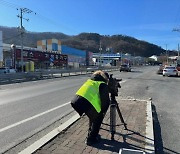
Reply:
x=93, y=99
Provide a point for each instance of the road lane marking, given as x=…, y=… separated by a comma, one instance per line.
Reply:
x=36, y=116
x=33, y=117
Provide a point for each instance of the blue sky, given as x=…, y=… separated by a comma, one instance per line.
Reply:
x=148, y=20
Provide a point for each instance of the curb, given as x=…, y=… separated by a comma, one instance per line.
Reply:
x=149, y=141
x=149, y=147
x=36, y=145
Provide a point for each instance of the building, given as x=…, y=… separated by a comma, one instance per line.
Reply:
x=49, y=45
x=76, y=57
x=47, y=54
x=41, y=59
x=154, y=57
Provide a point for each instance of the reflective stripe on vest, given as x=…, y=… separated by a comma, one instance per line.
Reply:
x=90, y=91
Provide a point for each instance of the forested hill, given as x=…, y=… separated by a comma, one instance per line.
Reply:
x=86, y=41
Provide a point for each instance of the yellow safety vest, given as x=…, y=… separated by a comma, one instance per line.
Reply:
x=90, y=91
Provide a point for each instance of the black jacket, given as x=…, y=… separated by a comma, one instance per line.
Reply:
x=82, y=105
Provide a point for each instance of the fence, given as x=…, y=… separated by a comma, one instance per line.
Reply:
x=46, y=74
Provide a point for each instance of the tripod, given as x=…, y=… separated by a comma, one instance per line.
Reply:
x=113, y=107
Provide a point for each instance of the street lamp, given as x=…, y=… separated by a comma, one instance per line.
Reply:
x=13, y=48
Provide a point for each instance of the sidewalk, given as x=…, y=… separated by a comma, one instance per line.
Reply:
x=72, y=140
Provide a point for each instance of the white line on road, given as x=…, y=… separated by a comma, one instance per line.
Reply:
x=36, y=116
x=33, y=117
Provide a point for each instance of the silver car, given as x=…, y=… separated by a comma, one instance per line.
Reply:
x=170, y=71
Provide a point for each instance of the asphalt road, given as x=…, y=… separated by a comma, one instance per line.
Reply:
x=165, y=94
x=28, y=107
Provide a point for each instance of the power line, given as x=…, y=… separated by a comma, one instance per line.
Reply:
x=10, y=37
x=8, y=4
x=52, y=22
x=42, y=17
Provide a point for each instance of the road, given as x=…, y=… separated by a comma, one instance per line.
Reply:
x=165, y=94
x=27, y=107
x=31, y=106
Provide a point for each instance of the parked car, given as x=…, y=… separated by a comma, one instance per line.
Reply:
x=4, y=70
x=125, y=67
x=170, y=71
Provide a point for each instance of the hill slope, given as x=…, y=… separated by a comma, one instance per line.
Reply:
x=86, y=41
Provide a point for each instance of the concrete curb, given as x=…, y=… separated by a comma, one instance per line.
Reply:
x=149, y=147
x=149, y=140
x=36, y=145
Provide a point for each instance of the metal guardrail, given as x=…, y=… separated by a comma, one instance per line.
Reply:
x=46, y=74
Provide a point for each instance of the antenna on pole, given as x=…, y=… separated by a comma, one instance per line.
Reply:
x=22, y=30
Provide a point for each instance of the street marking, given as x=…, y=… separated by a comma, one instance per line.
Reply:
x=33, y=117
x=36, y=116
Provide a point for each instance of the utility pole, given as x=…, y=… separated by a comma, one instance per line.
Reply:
x=22, y=30
x=121, y=58
x=100, y=50
x=166, y=54
x=178, y=50
x=177, y=30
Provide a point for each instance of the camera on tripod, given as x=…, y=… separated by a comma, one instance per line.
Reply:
x=113, y=85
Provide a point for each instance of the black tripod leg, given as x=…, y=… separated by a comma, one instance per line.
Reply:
x=120, y=116
x=112, y=120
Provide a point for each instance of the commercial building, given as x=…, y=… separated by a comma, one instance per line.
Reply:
x=49, y=45
x=41, y=59
x=106, y=59
x=49, y=53
x=76, y=57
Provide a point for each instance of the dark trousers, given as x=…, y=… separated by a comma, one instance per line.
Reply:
x=94, y=126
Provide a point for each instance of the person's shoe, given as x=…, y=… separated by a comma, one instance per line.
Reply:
x=98, y=137
x=91, y=141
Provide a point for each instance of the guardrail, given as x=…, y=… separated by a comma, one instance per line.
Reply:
x=46, y=74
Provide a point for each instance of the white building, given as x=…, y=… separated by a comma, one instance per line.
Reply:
x=154, y=57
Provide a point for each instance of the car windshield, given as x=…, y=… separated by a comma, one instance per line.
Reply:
x=170, y=68
x=124, y=65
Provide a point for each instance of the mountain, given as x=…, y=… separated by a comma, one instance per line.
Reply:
x=86, y=41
